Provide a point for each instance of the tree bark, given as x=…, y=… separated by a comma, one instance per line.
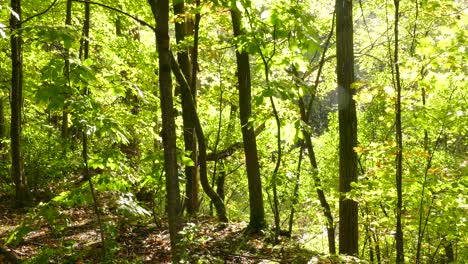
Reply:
x=22, y=193
x=160, y=9
x=399, y=140
x=190, y=139
x=257, y=211
x=348, y=228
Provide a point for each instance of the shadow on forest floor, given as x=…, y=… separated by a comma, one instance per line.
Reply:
x=202, y=240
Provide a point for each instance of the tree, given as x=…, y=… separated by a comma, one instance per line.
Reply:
x=207, y=188
x=160, y=11
x=84, y=55
x=23, y=196
x=257, y=211
x=399, y=140
x=305, y=118
x=348, y=230
x=64, y=131
x=182, y=30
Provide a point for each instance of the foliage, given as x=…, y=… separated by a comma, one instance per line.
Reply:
x=121, y=116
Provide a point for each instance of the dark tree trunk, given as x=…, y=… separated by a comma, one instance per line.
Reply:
x=220, y=179
x=23, y=196
x=218, y=203
x=399, y=140
x=160, y=11
x=190, y=139
x=257, y=211
x=348, y=230
x=449, y=254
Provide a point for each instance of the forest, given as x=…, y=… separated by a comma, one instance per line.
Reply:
x=233, y=131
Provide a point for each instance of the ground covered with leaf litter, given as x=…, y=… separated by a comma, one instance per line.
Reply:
x=203, y=241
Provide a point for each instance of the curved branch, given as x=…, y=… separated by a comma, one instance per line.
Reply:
x=142, y=22
x=217, y=201
x=41, y=13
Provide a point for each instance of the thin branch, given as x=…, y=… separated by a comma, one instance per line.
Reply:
x=41, y=13
x=321, y=64
x=142, y=22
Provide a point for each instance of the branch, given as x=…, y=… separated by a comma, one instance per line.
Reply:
x=142, y=22
x=321, y=64
x=217, y=155
x=39, y=14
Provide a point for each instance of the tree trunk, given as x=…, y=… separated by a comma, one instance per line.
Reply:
x=220, y=179
x=295, y=196
x=348, y=230
x=67, y=78
x=399, y=140
x=23, y=196
x=88, y=176
x=218, y=203
x=160, y=11
x=190, y=139
x=257, y=211
x=2, y=126
x=317, y=183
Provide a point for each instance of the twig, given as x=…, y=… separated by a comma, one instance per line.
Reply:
x=142, y=22
x=39, y=14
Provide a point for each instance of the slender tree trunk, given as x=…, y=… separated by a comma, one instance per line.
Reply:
x=67, y=77
x=190, y=139
x=348, y=228
x=217, y=201
x=160, y=9
x=23, y=195
x=295, y=196
x=318, y=185
x=85, y=55
x=257, y=211
x=215, y=175
x=2, y=126
x=399, y=140
x=305, y=117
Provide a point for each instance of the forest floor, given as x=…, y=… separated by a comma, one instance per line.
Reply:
x=203, y=241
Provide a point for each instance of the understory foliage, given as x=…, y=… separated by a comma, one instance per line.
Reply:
x=120, y=117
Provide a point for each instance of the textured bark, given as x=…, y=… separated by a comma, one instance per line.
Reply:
x=348, y=230
x=22, y=193
x=190, y=139
x=257, y=211
x=160, y=11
